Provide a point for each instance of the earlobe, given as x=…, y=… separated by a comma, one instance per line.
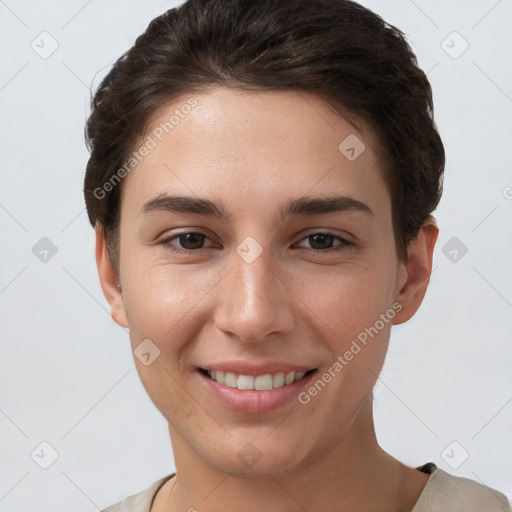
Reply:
x=109, y=281
x=416, y=271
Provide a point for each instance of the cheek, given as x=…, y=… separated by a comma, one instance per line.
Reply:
x=349, y=300
x=162, y=305
x=161, y=299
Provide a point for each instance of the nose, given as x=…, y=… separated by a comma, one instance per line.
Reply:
x=254, y=301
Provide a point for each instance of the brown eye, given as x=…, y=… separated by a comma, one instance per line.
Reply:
x=324, y=242
x=321, y=241
x=191, y=241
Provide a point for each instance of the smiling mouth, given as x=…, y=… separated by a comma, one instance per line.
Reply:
x=264, y=382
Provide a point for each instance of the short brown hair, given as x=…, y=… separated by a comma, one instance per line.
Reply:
x=336, y=49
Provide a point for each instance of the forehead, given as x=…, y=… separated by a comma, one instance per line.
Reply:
x=251, y=147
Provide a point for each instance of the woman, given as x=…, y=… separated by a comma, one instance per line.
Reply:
x=262, y=180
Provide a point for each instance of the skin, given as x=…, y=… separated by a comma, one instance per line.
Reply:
x=251, y=153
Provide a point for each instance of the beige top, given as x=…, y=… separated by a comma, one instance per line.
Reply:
x=443, y=493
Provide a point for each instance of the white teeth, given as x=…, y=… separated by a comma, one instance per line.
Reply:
x=263, y=382
x=288, y=379
x=299, y=376
x=259, y=383
x=230, y=380
x=245, y=382
x=278, y=380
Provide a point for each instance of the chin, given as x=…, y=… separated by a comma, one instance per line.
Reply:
x=257, y=458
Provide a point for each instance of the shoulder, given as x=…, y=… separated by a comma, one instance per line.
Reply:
x=448, y=493
x=140, y=502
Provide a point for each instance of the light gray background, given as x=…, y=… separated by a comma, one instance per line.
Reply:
x=66, y=371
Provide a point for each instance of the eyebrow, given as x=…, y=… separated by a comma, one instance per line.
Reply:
x=316, y=205
x=184, y=204
x=300, y=206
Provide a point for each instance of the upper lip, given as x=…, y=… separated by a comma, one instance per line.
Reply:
x=245, y=368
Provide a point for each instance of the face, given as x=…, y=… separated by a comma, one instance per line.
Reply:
x=253, y=245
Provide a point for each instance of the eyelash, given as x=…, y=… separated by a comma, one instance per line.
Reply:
x=343, y=245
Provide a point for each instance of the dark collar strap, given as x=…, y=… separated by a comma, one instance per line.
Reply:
x=428, y=468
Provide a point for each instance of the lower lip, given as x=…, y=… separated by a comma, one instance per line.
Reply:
x=251, y=401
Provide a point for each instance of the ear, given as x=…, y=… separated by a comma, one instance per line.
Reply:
x=415, y=273
x=108, y=279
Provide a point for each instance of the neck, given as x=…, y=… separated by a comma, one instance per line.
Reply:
x=354, y=474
